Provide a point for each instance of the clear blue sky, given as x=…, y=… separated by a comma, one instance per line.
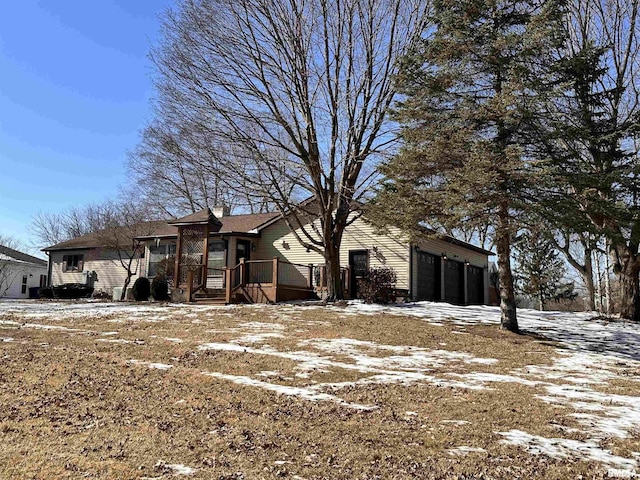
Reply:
x=75, y=84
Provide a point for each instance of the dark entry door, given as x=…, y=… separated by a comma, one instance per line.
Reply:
x=475, y=285
x=243, y=250
x=358, y=265
x=428, y=277
x=454, y=282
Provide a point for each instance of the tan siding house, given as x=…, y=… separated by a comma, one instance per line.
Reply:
x=389, y=251
x=92, y=266
x=238, y=252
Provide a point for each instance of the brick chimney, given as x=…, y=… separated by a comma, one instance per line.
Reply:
x=220, y=211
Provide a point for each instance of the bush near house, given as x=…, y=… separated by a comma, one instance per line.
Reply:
x=378, y=285
x=160, y=288
x=66, y=291
x=141, y=289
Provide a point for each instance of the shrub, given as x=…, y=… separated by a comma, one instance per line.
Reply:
x=45, y=292
x=141, y=289
x=160, y=288
x=378, y=285
x=101, y=295
x=66, y=291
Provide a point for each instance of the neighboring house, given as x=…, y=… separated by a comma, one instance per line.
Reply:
x=238, y=257
x=20, y=272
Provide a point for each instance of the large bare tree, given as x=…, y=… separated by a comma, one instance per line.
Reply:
x=50, y=228
x=176, y=169
x=120, y=237
x=295, y=93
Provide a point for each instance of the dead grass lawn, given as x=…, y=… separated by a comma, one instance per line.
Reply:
x=72, y=405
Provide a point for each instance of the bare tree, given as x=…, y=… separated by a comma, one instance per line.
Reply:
x=578, y=250
x=171, y=174
x=120, y=240
x=50, y=228
x=295, y=95
x=116, y=224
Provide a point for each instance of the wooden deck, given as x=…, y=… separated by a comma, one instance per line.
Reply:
x=254, y=281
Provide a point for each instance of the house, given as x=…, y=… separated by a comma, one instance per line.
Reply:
x=257, y=258
x=19, y=273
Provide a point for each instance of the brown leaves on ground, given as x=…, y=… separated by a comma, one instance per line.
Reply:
x=73, y=405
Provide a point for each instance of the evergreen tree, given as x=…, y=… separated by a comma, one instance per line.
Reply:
x=473, y=88
x=541, y=271
x=593, y=135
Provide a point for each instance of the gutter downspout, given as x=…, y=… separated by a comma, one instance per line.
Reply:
x=49, y=268
x=411, y=296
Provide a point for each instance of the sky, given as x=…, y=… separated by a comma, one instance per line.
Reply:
x=75, y=90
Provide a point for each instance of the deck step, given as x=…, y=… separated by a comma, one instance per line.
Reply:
x=211, y=296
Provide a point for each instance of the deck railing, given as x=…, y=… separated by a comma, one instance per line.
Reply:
x=259, y=271
x=216, y=278
x=295, y=274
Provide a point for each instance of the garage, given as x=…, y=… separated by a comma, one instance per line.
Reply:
x=428, y=277
x=475, y=285
x=453, y=282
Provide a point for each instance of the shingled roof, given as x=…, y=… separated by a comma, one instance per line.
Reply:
x=202, y=217
x=17, y=256
x=249, y=223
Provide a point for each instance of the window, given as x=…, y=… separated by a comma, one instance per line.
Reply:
x=217, y=258
x=161, y=260
x=72, y=263
x=43, y=281
x=24, y=284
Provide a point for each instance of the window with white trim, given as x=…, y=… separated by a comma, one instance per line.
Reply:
x=72, y=263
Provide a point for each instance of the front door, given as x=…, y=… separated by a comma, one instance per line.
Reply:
x=243, y=250
x=358, y=265
x=217, y=262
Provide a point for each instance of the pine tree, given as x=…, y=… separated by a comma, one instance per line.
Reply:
x=473, y=88
x=540, y=272
x=593, y=136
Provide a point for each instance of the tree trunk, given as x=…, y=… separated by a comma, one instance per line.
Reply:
x=541, y=303
x=126, y=285
x=334, y=282
x=587, y=278
x=508, y=319
x=629, y=283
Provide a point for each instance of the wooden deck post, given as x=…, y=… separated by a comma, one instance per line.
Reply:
x=189, y=285
x=243, y=271
x=227, y=280
x=205, y=258
x=176, y=271
x=274, y=279
x=310, y=278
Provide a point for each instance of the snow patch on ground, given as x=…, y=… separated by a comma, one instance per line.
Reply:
x=158, y=366
x=566, y=448
x=174, y=468
x=310, y=393
x=403, y=364
x=465, y=450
